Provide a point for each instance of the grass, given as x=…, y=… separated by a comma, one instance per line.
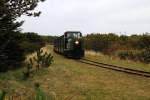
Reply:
x=68, y=79
x=116, y=61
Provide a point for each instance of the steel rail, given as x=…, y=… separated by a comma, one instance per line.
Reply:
x=116, y=68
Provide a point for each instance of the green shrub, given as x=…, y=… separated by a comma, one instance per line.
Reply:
x=123, y=55
x=31, y=42
x=43, y=59
x=142, y=56
x=27, y=72
x=2, y=95
x=40, y=95
x=11, y=54
x=134, y=47
x=14, y=46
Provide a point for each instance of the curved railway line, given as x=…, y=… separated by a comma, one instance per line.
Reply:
x=116, y=68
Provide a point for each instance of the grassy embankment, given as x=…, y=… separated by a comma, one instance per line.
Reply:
x=68, y=79
x=116, y=61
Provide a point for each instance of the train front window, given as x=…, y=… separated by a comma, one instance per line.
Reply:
x=74, y=35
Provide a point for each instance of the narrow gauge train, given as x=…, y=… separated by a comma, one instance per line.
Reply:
x=70, y=44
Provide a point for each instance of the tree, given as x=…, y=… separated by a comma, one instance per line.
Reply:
x=11, y=53
x=10, y=10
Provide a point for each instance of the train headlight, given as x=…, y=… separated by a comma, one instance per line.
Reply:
x=77, y=42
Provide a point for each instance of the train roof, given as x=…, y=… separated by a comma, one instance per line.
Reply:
x=72, y=32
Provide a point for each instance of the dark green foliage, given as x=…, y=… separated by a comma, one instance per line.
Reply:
x=143, y=56
x=47, y=59
x=100, y=42
x=11, y=54
x=144, y=41
x=10, y=10
x=49, y=39
x=2, y=95
x=12, y=50
x=27, y=72
x=16, y=8
x=134, y=47
x=123, y=55
x=40, y=95
x=43, y=59
x=15, y=46
x=39, y=58
x=31, y=42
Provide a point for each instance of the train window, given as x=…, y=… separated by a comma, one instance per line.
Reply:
x=74, y=35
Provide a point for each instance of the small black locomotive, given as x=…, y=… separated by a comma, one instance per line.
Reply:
x=70, y=44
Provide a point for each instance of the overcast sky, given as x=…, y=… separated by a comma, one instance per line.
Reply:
x=88, y=16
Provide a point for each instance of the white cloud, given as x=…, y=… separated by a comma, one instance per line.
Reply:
x=91, y=16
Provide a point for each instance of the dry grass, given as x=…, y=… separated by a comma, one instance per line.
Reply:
x=116, y=61
x=68, y=79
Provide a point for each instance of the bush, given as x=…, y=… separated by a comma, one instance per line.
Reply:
x=11, y=53
x=143, y=56
x=123, y=55
x=14, y=46
x=134, y=47
x=41, y=95
x=27, y=72
x=31, y=42
x=43, y=59
x=2, y=95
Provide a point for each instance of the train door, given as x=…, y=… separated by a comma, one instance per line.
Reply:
x=65, y=41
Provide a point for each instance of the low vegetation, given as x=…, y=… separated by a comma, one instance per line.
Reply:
x=2, y=95
x=39, y=60
x=68, y=79
x=22, y=77
x=134, y=47
x=13, y=44
x=14, y=48
x=128, y=63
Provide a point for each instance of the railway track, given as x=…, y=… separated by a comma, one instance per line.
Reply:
x=116, y=68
